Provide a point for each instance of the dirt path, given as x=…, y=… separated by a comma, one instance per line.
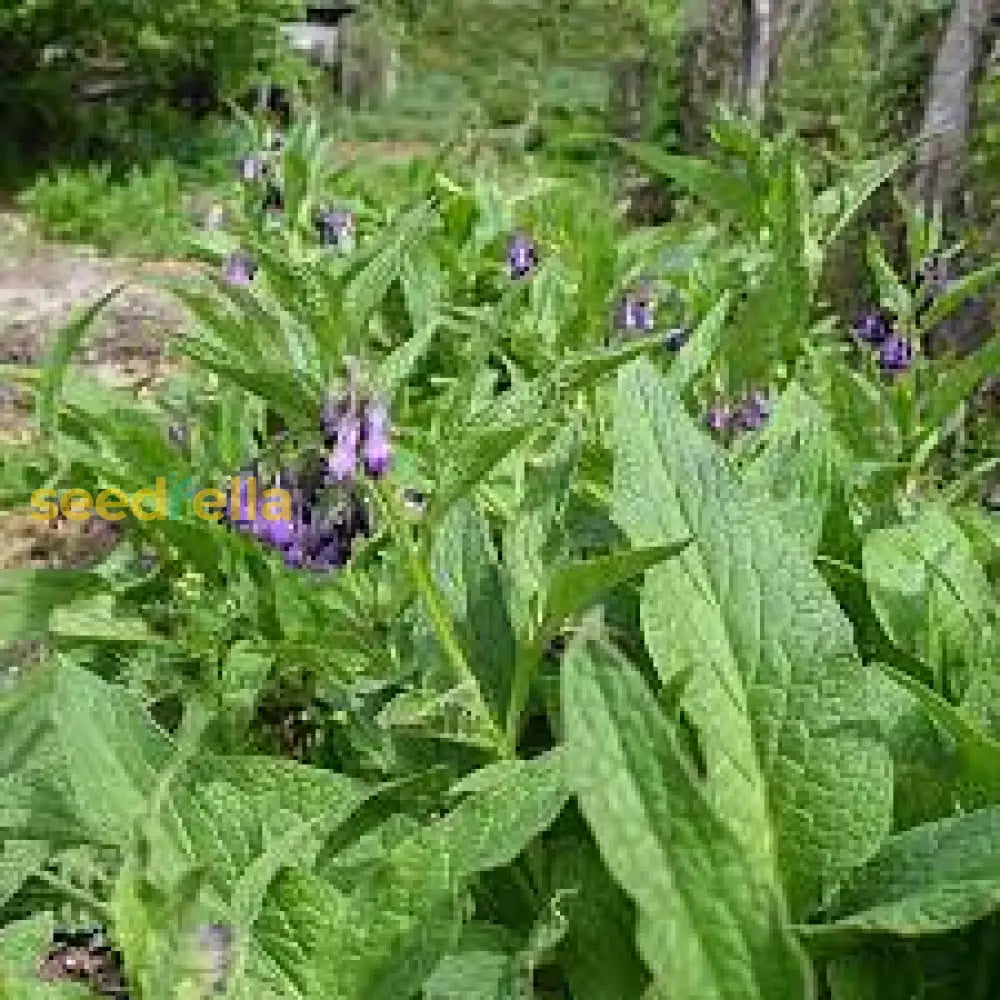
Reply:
x=41, y=287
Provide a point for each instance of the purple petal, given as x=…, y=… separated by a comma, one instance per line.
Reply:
x=343, y=460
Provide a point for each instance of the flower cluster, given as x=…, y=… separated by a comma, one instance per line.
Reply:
x=356, y=429
x=750, y=414
x=875, y=329
x=327, y=511
x=319, y=532
x=522, y=257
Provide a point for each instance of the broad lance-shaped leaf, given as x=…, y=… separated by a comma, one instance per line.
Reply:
x=575, y=586
x=387, y=937
x=777, y=693
x=467, y=571
x=598, y=956
x=929, y=879
x=799, y=463
x=218, y=807
x=712, y=923
x=932, y=597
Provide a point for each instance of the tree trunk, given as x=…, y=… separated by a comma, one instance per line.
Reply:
x=715, y=55
x=941, y=161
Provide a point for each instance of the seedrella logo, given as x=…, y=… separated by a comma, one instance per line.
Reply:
x=170, y=497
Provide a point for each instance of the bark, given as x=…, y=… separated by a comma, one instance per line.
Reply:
x=944, y=136
x=715, y=53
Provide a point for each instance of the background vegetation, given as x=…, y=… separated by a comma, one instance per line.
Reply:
x=634, y=634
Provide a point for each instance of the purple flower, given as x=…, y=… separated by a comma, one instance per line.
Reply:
x=718, y=417
x=676, y=338
x=871, y=327
x=755, y=411
x=252, y=168
x=342, y=462
x=239, y=269
x=896, y=355
x=521, y=257
x=635, y=313
x=334, y=227
x=377, y=450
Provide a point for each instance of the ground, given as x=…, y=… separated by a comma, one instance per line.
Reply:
x=41, y=286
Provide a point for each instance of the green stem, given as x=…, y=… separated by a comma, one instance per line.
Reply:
x=441, y=621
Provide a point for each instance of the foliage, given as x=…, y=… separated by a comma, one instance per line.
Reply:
x=623, y=706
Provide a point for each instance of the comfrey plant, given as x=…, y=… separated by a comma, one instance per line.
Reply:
x=608, y=674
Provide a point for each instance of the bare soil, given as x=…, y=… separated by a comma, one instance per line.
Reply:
x=42, y=286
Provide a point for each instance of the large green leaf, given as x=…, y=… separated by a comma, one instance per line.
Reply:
x=712, y=924
x=932, y=878
x=777, y=693
x=598, y=955
x=402, y=919
x=466, y=569
x=798, y=464
x=932, y=597
x=113, y=752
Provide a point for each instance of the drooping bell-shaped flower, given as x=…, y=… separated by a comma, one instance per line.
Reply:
x=896, y=355
x=335, y=227
x=342, y=462
x=252, y=168
x=871, y=327
x=522, y=257
x=635, y=313
x=718, y=418
x=377, y=451
x=755, y=411
x=239, y=269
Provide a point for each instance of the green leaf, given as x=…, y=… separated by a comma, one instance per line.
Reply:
x=598, y=954
x=404, y=917
x=712, y=924
x=473, y=975
x=931, y=596
x=99, y=619
x=67, y=341
x=893, y=294
x=18, y=862
x=718, y=187
x=573, y=588
x=799, y=463
x=28, y=597
x=932, y=878
x=466, y=569
x=777, y=693
x=845, y=199
x=957, y=292
x=977, y=754
x=113, y=752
